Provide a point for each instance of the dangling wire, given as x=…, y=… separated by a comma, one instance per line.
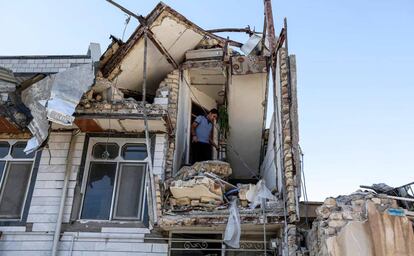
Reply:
x=105, y=154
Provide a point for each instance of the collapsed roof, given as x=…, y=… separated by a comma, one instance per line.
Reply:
x=170, y=36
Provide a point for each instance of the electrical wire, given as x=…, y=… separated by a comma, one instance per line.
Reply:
x=105, y=154
x=303, y=181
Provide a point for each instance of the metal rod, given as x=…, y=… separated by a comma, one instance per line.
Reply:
x=264, y=38
x=400, y=198
x=58, y=226
x=246, y=30
x=140, y=18
x=147, y=140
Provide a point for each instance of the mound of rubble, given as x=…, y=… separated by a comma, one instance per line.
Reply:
x=363, y=223
x=204, y=186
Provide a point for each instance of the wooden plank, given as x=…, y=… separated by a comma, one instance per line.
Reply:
x=88, y=125
x=7, y=127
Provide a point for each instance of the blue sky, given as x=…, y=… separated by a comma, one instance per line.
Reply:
x=355, y=71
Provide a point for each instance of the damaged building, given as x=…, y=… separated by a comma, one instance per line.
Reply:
x=96, y=152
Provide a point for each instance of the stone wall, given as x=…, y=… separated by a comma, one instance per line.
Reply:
x=359, y=224
x=287, y=132
x=171, y=83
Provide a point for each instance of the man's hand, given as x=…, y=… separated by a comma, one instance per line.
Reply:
x=195, y=139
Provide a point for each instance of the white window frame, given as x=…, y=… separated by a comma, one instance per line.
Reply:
x=9, y=159
x=118, y=160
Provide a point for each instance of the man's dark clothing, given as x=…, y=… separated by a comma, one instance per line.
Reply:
x=201, y=152
x=202, y=148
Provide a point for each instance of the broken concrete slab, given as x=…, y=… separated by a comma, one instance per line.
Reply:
x=196, y=188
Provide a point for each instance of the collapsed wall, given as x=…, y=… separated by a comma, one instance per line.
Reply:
x=361, y=224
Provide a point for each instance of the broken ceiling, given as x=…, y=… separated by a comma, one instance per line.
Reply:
x=170, y=36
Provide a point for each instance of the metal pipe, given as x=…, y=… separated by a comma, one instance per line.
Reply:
x=140, y=18
x=400, y=198
x=246, y=30
x=147, y=140
x=58, y=227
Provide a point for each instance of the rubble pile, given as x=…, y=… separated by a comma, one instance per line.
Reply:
x=204, y=187
x=200, y=187
x=363, y=219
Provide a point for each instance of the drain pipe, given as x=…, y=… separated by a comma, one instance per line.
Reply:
x=69, y=157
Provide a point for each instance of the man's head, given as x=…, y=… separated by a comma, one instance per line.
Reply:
x=212, y=115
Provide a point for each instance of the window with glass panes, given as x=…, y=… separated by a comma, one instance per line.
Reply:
x=15, y=173
x=114, y=180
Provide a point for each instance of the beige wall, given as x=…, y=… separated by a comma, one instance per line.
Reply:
x=246, y=110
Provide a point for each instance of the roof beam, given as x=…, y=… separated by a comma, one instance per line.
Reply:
x=149, y=33
x=162, y=49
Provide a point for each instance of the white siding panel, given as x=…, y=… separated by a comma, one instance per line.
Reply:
x=126, y=230
x=43, y=226
x=159, y=247
x=44, y=209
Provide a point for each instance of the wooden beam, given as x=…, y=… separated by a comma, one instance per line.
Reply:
x=7, y=127
x=162, y=49
x=270, y=25
x=88, y=125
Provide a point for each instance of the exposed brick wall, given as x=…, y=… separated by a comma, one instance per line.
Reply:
x=290, y=146
x=288, y=161
x=172, y=82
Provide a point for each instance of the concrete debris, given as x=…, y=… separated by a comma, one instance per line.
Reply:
x=203, y=187
x=196, y=188
x=104, y=90
x=192, y=189
x=361, y=224
x=11, y=105
x=219, y=168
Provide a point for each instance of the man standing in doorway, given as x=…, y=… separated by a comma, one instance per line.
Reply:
x=202, y=136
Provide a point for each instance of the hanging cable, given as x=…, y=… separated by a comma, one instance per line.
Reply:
x=105, y=154
x=305, y=192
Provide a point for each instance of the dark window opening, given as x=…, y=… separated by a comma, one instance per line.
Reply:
x=99, y=188
x=134, y=151
x=105, y=151
x=13, y=192
x=17, y=151
x=4, y=149
x=130, y=192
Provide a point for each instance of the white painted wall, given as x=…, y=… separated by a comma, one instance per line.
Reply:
x=246, y=110
x=202, y=99
x=183, y=124
x=44, y=209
